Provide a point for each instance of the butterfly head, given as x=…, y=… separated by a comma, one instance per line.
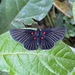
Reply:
x=38, y=29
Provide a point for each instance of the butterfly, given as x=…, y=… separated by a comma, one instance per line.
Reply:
x=31, y=39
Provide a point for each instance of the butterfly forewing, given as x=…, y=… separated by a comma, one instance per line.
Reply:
x=26, y=37
x=51, y=35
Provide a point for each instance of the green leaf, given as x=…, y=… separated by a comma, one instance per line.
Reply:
x=22, y=11
x=72, y=72
x=3, y=73
x=59, y=20
x=73, y=10
x=14, y=59
x=72, y=0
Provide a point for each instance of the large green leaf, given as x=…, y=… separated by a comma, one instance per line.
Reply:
x=15, y=60
x=12, y=11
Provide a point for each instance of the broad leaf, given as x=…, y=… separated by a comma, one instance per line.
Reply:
x=22, y=11
x=15, y=60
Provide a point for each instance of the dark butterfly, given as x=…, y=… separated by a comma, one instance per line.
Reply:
x=34, y=38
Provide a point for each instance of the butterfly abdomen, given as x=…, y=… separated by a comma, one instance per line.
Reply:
x=37, y=33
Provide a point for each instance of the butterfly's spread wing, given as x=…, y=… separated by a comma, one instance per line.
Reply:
x=26, y=37
x=50, y=35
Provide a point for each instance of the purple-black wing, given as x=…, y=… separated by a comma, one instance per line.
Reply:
x=26, y=37
x=51, y=35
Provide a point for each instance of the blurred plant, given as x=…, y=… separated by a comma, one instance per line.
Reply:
x=14, y=59
x=58, y=16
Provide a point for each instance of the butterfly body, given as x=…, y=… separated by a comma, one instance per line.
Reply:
x=37, y=34
x=34, y=38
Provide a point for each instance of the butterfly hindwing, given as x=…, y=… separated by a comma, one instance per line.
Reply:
x=46, y=43
x=50, y=36
x=26, y=37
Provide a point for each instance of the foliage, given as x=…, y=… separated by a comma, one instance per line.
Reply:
x=14, y=59
x=3, y=73
x=22, y=11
